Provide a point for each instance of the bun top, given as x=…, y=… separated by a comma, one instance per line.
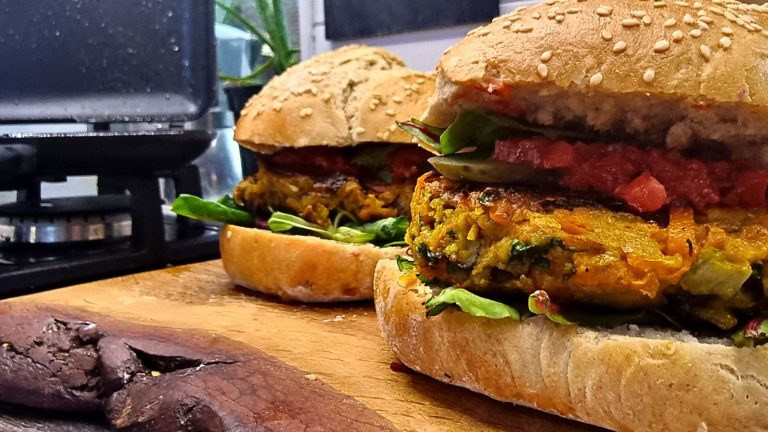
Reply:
x=340, y=98
x=698, y=50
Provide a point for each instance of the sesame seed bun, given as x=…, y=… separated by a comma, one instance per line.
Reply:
x=624, y=379
x=670, y=72
x=341, y=98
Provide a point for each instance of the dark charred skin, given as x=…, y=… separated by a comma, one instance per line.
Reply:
x=503, y=240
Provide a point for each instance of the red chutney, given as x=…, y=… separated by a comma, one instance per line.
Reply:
x=645, y=179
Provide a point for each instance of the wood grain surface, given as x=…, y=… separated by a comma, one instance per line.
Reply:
x=340, y=345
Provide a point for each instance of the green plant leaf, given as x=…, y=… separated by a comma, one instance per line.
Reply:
x=197, y=208
x=472, y=129
x=754, y=333
x=249, y=26
x=404, y=264
x=423, y=132
x=282, y=222
x=470, y=303
x=539, y=304
x=386, y=230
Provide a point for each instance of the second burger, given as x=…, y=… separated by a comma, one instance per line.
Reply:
x=333, y=168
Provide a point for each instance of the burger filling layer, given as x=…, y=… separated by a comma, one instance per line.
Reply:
x=368, y=182
x=582, y=222
x=503, y=241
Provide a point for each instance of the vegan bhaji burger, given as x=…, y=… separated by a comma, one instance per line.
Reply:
x=593, y=241
x=331, y=195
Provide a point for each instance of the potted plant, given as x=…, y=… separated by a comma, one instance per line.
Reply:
x=277, y=52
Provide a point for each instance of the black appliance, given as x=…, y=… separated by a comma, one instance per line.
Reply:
x=137, y=79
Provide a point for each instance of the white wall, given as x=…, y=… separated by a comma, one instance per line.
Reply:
x=420, y=50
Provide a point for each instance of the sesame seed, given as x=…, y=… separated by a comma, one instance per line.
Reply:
x=658, y=4
x=649, y=75
x=747, y=18
x=484, y=32
x=661, y=46
x=688, y=19
x=727, y=30
x=716, y=10
x=701, y=13
x=372, y=106
x=385, y=136
x=682, y=3
x=559, y=18
x=702, y=25
x=536, y=15
x=550, y=2
x=392, y=127
x=542, y=70
x=525, y=29
x=602, y=11
x=595, y=79
x=359, y=131
x=326, y=97
x=619, y=47
x=573, y=10
x=310, y=377
x=764, y=32
x=390, y=112
x=725, y=42
x=757, y=27
x=677, y=36
x=698, y=5
x=731, y=17
x=305, y=112
x=705, y=52
x=397, y=99
x=277, y=106
x=638, y=13
x=630, y=22
x=506, y=25
x=546, y=56
x=707, y=19
x=646, y=20
x=695, y=33
x=551, y=15
x=513, y=18
x=606, y=35
x=670, y=22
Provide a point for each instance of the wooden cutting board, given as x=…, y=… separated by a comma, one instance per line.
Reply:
x=339, y=344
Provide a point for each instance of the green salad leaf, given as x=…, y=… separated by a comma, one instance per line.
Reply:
x=388, y=230
x=755, y=332
x=404, y=264
x=470, y=303
x=423, y=132
x=384, y=231
x=225, y=210
x=540, y=304
x=472, y=129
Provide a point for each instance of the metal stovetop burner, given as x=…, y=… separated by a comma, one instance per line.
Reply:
x=66, y=220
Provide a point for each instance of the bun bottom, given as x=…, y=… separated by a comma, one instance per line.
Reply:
x=626, y=379
x=300, y=268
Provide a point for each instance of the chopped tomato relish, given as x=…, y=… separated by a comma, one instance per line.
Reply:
x=645, y=179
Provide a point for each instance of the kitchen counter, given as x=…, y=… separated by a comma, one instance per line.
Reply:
x=338, y=344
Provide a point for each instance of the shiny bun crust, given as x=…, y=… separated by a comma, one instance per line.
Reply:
x=670, y=72
x=626, y=379
x=300, y=268
x=341, y=98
